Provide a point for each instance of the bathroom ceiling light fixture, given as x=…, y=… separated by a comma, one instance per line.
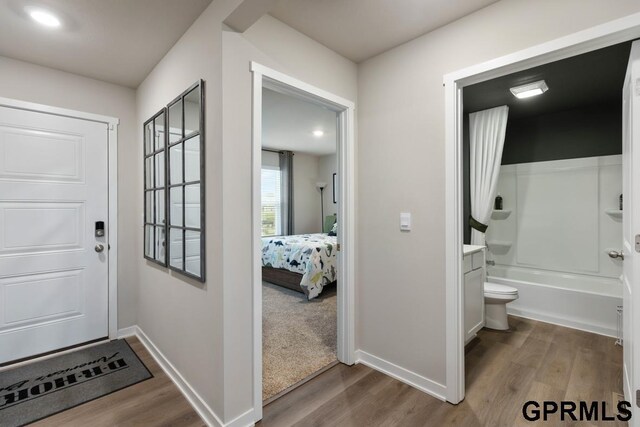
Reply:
x=45, y=18
x=530, y=89
x=318, y=133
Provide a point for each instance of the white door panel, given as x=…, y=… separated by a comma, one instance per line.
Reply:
x=53, y=188
x=41, y=155
x=52, y=296
x=53, y=226
x=631, y=227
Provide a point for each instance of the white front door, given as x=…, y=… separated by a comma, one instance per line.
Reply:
x=631, y=228
x=53, y=274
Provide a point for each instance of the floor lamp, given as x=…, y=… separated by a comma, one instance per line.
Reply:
x=321, y=186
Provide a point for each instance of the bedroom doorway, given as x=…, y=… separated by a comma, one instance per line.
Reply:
x=299, y=241
x=303, y=255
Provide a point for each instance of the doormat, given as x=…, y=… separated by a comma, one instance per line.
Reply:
x=41, y=389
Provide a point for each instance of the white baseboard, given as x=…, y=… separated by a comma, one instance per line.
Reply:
x=130, y=331
x=192, y=396
x=626, y=386
x=243, y=420
x=423, y=384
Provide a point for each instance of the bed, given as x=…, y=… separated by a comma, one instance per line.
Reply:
x=305, y=262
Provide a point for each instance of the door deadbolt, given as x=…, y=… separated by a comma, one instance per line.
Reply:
x=99, y=228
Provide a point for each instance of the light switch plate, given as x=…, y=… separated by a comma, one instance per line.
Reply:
x=405, y=221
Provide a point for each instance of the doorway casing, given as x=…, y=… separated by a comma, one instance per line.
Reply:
x=614, y=32
x=264, y=77
x=112, y=170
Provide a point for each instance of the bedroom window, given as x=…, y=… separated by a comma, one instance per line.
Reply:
x=271, y=208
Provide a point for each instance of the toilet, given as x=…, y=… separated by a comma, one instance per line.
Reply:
x=496, y=298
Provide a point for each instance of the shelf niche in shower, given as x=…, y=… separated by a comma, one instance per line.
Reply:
x=499, y=247
x=501, y=214
x=614, y=213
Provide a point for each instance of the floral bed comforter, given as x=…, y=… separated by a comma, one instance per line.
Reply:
x=312, y=255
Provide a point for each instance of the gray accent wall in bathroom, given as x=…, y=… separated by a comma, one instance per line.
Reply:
x=582, y=132
x=466, y=179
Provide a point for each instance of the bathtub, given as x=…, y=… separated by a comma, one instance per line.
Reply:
x=577, y=301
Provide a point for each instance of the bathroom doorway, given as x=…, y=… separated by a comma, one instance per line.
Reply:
x=542, y=185
x=548, y=202
x=532, y=179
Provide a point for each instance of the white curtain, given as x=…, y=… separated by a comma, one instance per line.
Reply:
x=486, y=131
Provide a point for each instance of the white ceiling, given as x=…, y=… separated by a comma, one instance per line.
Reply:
x=288, y=124
x=118, y=41
x=360, y=29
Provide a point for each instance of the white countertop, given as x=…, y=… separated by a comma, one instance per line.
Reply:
x=471, y=249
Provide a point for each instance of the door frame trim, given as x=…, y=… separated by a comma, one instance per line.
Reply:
x=597, y=37
x=266, y=77
x=112, y=161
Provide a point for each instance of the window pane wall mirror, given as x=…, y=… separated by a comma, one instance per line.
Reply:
x=180, y=185
x=154, y=189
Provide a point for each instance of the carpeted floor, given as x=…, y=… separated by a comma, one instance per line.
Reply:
x=298, y=336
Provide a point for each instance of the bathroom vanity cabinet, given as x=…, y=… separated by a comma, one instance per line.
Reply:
x=474, y=269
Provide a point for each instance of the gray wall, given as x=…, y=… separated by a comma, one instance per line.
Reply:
x=275, y=45
x=585, y=132
x=401, y=151
x=205, y=330
x=466, y=178
x=175, y=312
x=328, y=165
x=306, y=197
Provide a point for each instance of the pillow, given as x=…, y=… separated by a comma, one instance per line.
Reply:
x=334, y=230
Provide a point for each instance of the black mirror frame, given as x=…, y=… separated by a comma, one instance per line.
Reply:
x=153, y=188
x=167, y=171
x=200, y=132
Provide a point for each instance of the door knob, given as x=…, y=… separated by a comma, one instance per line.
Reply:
x=99, y=248
x=616, y=254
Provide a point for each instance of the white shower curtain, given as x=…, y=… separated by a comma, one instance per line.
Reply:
x=486, y=130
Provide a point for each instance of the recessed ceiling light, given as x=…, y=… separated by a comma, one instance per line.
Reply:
x=318, y=133
x=44, y=18
x=530, y=89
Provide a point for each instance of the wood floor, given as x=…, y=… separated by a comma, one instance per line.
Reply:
x=154, y=402
x=533, y=361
